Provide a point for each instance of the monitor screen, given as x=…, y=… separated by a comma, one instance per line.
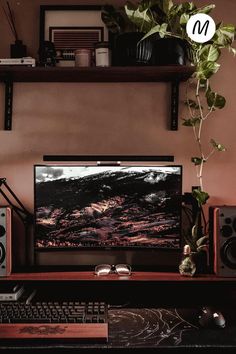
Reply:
x=107, y=207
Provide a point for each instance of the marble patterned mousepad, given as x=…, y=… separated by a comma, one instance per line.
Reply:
x=148, y=327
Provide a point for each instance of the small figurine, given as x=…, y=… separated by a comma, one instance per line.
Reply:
x=47, y=54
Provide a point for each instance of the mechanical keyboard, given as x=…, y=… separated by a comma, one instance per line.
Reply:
x=54, y=320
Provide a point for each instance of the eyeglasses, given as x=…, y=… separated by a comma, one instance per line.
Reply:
x=105, y=269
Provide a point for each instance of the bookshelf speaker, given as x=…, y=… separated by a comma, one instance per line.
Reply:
x=222, y=225
x=5, y=241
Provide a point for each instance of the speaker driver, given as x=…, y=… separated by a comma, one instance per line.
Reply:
x=2, y=253
x=228, y=253
x=226, y=231
x=2, y=230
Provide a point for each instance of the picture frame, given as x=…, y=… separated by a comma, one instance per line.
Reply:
x=71, y=27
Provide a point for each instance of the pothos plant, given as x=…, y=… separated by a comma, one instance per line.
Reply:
x=166, y=19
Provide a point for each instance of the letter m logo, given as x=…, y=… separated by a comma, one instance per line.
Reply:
x=201, y=27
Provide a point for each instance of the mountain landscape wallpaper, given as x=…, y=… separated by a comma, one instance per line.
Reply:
x=113, y=206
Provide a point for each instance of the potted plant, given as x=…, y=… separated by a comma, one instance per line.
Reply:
x=163, y=24
x=201, y=102
x=169, y=20
x=127, y=48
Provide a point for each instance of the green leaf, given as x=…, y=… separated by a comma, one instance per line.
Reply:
x=194, y=232
x=209, y=53
x=202, y=241
x=206, y=69
x=142, y=19
x=155, y=29
x=197, y=160
x=185, y=9
x=214, y=100
x=163, y=30
x=111, y=18
x=192, y=122
x=192, y=103
x=165, y=5
x=224, y=35
x=200, y=196
x=228, y=30
x=217, y=146
x=204, y=10
x=184, y=19
x=162, y=5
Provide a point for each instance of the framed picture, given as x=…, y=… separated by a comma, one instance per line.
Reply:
x=71, y=27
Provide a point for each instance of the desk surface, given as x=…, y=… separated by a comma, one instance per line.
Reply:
x=135, y=276
x=152, y=310
x=148, y=328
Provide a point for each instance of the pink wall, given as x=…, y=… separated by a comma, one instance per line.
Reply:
x=106, y=118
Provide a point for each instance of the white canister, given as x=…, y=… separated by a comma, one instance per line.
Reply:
x=83, y=57
x=102, y=54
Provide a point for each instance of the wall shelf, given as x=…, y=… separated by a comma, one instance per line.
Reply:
x=96, y=74
x=173, y=73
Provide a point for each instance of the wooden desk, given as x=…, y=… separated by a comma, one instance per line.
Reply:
x=149, y=311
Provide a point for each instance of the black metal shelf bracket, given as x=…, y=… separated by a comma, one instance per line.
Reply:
x=8, y=104
x=174, y=105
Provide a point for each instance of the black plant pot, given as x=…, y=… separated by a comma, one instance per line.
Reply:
x=201, y=260
x=169, y=51
x=18, y=49
x=129, y=52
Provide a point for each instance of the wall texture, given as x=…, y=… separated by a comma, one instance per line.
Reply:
x=130, y=118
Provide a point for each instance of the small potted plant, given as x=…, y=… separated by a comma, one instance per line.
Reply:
x=127, y=48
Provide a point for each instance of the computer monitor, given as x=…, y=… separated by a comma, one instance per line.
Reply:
x=88, y=214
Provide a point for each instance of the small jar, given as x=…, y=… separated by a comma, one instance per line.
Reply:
x=83, y=57
x=102, y=54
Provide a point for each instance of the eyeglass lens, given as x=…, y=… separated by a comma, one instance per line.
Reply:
x=102, y=269
x=123, y=269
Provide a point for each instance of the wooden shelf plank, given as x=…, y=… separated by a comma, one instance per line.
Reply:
x=96, y=74
x=136, y=276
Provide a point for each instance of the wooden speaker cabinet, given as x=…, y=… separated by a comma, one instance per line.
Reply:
x=222, y=226
x=5, y=241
